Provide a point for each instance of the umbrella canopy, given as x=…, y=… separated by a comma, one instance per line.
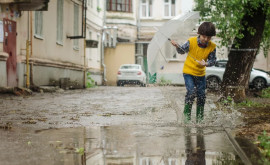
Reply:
x=160, y=49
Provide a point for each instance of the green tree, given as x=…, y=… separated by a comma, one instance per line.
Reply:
x=244, y=27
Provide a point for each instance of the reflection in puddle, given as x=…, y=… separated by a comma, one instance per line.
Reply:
x=115, y=145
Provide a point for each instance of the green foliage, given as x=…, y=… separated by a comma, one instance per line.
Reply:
x=98, y=9
x=152, y=78
x=248, y=103
x=228, y=18
x=264, y=146
x=80, y=151
x=90, y=82
x=164, y=82
x=266, y=93
x=227, y=101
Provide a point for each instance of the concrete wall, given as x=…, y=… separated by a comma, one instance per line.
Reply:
x=124, y=53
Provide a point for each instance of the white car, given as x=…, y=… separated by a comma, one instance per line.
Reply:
x=131, y=74
x=258, y=79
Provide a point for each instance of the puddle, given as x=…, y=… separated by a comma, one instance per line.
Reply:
x=116, y=145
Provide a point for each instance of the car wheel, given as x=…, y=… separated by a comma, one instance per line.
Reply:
x=119, y=83
x=259, y=83
x=212, y=83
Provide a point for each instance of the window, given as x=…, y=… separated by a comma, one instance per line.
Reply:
x=39, y=24
x=90, y=50
x=169, y=8
x=119, y=5
x=139, y=49
x=59, y=37
x=76, y=26
x=98, y=50
x=146, y=8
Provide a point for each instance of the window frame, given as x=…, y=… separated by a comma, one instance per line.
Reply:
x=171, y=8
x=76, y=26
x=39, y=25
x=60, y=22
x=117, y=6
x=148, y=9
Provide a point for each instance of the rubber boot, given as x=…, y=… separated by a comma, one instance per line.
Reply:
x=187, y=112
x=199, y=113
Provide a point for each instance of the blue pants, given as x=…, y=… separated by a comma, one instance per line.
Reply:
x=195, y=86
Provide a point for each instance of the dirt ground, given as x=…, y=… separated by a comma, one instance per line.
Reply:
x=256, y=116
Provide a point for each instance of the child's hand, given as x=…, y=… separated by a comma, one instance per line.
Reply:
x=174, y=43
x=203, y=63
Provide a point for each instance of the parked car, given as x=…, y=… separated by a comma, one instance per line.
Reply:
x=258, y=79
x=131, y=74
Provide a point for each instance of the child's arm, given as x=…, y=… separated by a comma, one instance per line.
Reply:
x=181, y=49
x=211, y=60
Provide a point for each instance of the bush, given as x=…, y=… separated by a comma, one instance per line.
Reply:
x=264, y=146
x=266, y=93
x=90, y=82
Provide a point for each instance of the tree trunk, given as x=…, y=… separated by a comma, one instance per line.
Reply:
x=241, y=60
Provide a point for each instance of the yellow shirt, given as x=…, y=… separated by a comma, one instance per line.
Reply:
x=191, y=66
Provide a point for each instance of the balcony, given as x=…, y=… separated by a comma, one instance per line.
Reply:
x=28, y=5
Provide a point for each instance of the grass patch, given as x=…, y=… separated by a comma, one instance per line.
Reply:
x=264, y=147
x=266, y=93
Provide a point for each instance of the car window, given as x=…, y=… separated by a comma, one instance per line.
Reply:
x=130, y=67
x=221, y=64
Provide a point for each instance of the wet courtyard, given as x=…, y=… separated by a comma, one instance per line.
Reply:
x=114, y=126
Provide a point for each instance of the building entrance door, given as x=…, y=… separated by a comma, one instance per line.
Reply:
x=10, y=48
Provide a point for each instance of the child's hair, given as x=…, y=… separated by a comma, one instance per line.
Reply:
x=207, y=28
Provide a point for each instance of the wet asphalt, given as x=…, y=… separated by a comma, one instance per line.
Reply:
x=113, y=125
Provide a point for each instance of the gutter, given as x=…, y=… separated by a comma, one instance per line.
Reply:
x=102, y=44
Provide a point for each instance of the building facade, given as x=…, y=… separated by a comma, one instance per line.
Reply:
x=94, y=32
x=48, y=45
x=120, y=35
x=11, y=12
x=46, y=42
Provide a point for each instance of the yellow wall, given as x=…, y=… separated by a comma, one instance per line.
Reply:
x=124, y=53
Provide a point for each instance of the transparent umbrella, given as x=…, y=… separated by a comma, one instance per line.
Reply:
x=160, y=49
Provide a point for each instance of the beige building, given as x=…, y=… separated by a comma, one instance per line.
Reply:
x=11, y=12
x=262, y=62
x=49, y=45
x=120, y=34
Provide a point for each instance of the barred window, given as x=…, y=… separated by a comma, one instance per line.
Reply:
x=119, y=5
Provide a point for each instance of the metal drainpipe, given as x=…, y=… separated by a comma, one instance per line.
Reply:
x=27, y=54
x=31, y=50
x=102, y=44
x=102, y=57
x=84, y=65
